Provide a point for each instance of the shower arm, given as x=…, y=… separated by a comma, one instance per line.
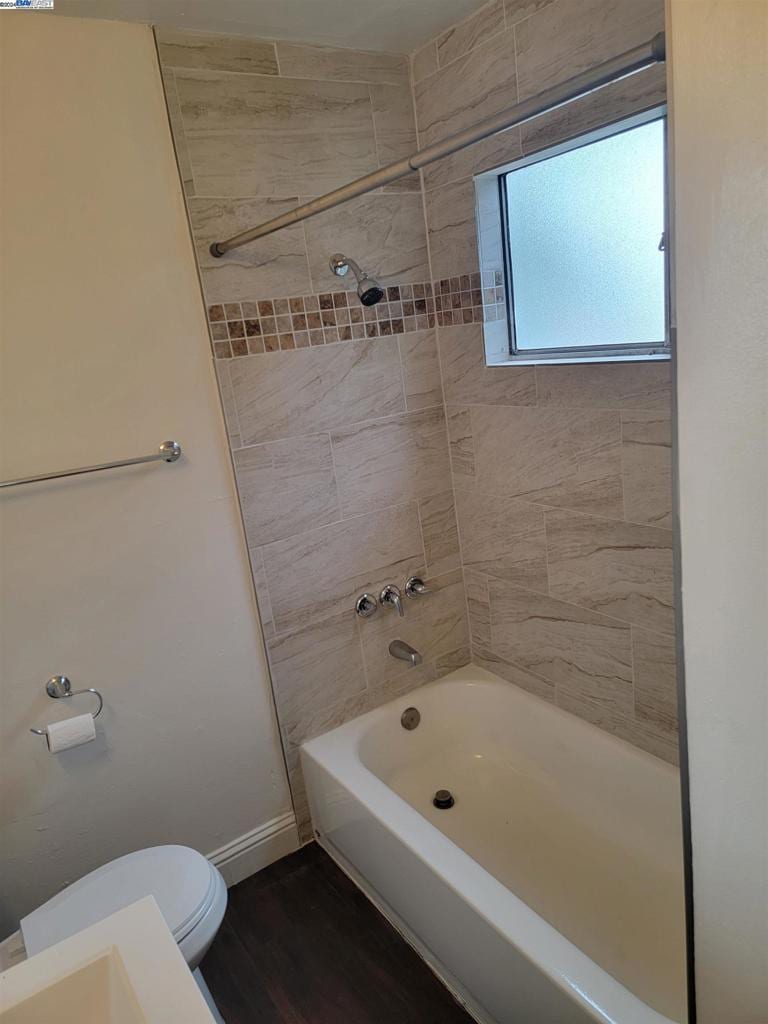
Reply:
x=629, y=63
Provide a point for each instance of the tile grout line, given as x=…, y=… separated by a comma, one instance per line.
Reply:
x=441, y=67
x=572, y=604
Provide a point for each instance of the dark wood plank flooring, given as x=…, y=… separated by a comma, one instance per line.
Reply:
x=301, y=945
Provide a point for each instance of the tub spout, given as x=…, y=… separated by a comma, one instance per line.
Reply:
x=400, y=649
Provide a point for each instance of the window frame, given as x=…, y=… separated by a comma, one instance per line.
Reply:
x=623, y=352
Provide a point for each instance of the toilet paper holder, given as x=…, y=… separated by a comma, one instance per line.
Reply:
x=60, y=686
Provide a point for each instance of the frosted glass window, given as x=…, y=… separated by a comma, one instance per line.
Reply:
x=584, y=229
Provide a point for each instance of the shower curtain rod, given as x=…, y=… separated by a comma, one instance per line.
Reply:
x=637, y=59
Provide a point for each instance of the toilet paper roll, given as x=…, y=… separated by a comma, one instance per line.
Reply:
x=72, y=732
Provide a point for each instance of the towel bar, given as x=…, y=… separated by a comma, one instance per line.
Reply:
x=169, y=451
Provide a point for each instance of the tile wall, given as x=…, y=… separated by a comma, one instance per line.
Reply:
x=358, y=435
x=335, y=412
x=562, y=475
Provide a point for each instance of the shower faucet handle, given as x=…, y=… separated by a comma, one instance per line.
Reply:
x=416, y=587
x=391, y=595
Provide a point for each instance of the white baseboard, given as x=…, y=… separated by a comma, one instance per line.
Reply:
x=257, y=849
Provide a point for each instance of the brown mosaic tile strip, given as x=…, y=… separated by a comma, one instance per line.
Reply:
x=272, y=325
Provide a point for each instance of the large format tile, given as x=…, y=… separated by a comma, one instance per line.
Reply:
x=435, y=625
x=390, y=461
x=227, y=401
x=490, y=659
x=308, y=721
x=646, y=458
x=272, y=266
x=394, y=124
x=424, y=61
x=262, y=592
x=575, y=650
x=475, y=86
x=440, y=534
x=479, y=610
x=315, y=666
x=286, y=394
x=567, y=458
x=179, y=49
x=620, y=569
x=596, y=109
x=254, y=103
x=502, y=537
x=325, y=62
x=643, y=385
x=452, y=229
x=644, y=735
x=260, y=135
x=468, y=34
x=469, y=380
x=177, y=130
x=286, y=487
x=564, y=39
x=655, y=679
x=461, y=444
x=494, y=151
x=421, y=369
x=271, y=163
x=317, y=575
x=384, y=233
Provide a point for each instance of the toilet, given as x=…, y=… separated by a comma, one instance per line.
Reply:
x=189, y=890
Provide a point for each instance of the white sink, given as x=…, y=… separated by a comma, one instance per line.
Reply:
x=126, y=969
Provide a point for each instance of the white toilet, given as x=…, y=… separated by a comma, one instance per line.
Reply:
x=188, y=889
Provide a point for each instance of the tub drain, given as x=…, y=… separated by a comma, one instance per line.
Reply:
x=443, y=799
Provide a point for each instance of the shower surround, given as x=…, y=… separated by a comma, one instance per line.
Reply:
x=374, y=444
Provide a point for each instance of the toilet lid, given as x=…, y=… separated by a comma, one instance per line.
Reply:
x=182, y=881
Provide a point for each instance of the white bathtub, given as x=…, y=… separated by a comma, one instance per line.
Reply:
x=551, y=892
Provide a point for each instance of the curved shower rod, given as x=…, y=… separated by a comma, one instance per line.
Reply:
x=629, y=63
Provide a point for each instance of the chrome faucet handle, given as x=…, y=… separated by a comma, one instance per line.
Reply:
x=366, y=606
x=391, y=595
x=416, y=587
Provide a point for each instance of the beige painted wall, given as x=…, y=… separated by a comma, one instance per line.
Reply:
x=719, y=77
x=135, y=581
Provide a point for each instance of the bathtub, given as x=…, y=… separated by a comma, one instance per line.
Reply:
x=552, y=891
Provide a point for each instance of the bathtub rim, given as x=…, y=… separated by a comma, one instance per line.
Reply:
x=598, y=993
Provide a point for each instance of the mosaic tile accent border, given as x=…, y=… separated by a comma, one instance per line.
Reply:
x=281, y=324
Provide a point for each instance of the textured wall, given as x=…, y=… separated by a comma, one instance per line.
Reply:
x=336, y=418
x=561, y=474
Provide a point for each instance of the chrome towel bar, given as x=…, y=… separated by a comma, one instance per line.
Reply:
x=169, y=451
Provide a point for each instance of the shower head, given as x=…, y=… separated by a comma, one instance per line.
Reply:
x=369, y=291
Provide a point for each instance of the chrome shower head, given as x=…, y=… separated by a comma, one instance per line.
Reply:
x=369, y=291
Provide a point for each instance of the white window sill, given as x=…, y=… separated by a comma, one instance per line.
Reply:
x=570, y=360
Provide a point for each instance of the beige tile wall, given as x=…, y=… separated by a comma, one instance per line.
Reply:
x=561, y=474
x=352, y=458
x=340, y=450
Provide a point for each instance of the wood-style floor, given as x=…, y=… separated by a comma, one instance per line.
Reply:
x=301, y=945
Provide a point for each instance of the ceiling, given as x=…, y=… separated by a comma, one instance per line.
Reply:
x=397, y=26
